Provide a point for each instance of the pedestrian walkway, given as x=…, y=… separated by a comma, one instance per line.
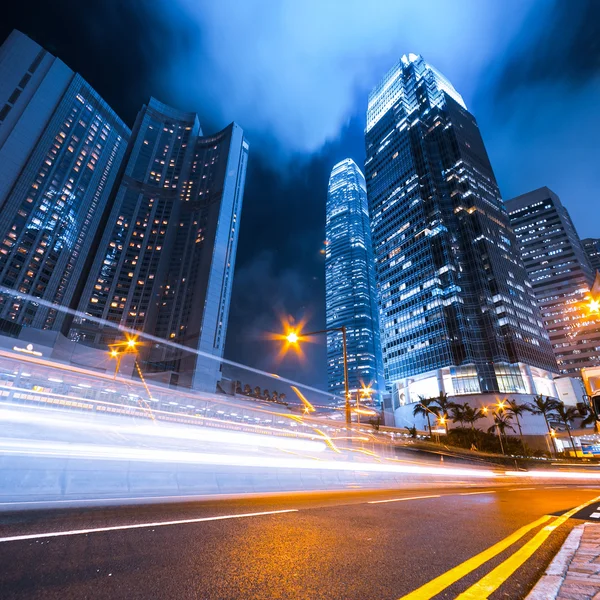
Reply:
x=574, y=574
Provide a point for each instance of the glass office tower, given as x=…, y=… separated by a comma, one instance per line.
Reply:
x=61, y=147
x=458, y=312
x=351, y=291
x=591, y=247
x=165, y=263
x=561, y=277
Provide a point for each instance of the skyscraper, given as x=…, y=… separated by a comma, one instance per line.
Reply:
x=165, y=263
x=560, y=274
x=458, y=312
x=591, y=247
x=351, y=292
x=61, y=147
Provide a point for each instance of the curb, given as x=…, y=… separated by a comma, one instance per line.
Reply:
x=548, y=586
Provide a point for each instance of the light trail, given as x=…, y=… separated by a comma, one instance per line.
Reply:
x=70, y=450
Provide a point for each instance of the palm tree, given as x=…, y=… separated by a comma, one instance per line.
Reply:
x=444, y=405
x=546, y=407
x=501, y=424
x=471, y=416
x=423, y=407
x=458, y=413
x=516, y=410
x=567, y=415
x=412, y=431
x=247, y=390
x=590, y=418
x=256, y=392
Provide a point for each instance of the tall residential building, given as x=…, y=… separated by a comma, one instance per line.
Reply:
x=61, y=146
x=458, y=312
x=165, y=263
x=560, y=274
x=351, y=291
x=591, y=246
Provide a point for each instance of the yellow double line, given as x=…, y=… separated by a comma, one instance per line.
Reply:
x=495, y=578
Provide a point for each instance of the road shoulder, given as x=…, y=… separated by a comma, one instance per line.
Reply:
x=575, y=570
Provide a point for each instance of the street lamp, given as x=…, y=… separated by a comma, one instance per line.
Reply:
x=294, y=338
x=128, y=346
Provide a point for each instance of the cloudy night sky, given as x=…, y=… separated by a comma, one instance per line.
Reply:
x=296, y=75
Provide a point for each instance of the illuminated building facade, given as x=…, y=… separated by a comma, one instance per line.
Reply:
x=61, y=147
x=351, y=292
x=165, y=263
x=561, y=276
x=458, y=314
x=591, y=247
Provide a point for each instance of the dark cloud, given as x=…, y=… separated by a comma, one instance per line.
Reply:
x=536, y=108
x=296, y=75
x=559, y=42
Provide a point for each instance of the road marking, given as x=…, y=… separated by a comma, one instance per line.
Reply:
x=556, y=487
x=37, y=536
x=473, y=493
x=402, y=499
x=520, y=489
x=439, y=584
x=496, y=577
x=595, y=515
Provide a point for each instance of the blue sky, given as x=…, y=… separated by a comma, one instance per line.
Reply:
x=296, y=75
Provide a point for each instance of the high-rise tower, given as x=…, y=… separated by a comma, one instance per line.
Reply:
x=458, y=312
x=351, y=292
x=61, y=147
x=591, y=247
x=165, y=263
x=561, y=277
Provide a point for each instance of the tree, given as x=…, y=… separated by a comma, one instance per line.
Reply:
x=281, y=397
x=256, y=393
x=472, y=415
x=501, y=424
x=516, y=410
x=412, y=431
x=546, y=407
x=422, y=407
x=266, y=395
x=238, y=387
x=567, y=415
x=458, y=413
x=247, y=390
x=444, y=406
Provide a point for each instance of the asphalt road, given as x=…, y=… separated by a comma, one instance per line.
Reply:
x=343, y=545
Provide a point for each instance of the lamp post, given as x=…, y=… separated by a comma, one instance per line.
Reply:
x=128, y=345
x=294, y=338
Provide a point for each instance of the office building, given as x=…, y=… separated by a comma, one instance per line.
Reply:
x=61, y=147
x=591, y=246
x=561, y=276
x=164, y=265
x=458, y=314
x=351, y=291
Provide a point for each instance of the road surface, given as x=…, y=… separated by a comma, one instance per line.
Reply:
x=348, y=545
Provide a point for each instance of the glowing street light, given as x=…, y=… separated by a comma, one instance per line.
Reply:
x=294, y=337
x=128, y=346
x=594, y=306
